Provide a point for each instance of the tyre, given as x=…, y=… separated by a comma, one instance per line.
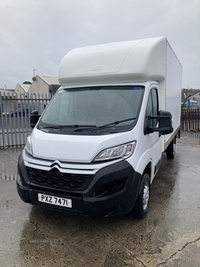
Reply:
x=142, y=203
x=170, y=151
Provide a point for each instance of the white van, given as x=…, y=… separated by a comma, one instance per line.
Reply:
x=98, y=145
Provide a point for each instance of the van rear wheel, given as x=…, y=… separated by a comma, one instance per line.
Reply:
x=170, y=151
x=142, y=203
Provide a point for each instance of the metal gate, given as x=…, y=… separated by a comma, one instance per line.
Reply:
x=15, y=110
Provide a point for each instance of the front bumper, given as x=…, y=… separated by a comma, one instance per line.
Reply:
x=112, y=191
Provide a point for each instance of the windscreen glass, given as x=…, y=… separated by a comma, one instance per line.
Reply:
x=96, y=108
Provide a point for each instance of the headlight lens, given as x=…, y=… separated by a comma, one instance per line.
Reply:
x=121, y=151
x=28, y=147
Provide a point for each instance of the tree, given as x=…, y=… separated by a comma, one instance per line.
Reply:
x=26, y=82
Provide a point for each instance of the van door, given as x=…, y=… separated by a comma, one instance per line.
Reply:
x=153, y=140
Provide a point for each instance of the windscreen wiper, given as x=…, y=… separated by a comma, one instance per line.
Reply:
x=51, y=127
x=103, y=126
x=65, y=126
x=115, y=123
x=79, y=128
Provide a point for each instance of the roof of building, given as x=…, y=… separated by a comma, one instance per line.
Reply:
x=25, y=87
x=196, y=95
x=49, y=80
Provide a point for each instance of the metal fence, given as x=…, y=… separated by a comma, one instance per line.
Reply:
x=190, y=120
x=15, y=117
x=15, y=110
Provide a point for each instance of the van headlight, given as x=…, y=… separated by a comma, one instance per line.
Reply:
x=28, y=147
x=121, y=151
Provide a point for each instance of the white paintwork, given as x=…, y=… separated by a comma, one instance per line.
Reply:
x=138, y=60
x=148, y=62
x=173, y=89
x=74, y=148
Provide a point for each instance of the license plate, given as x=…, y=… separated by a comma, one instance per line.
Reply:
x=53, y=200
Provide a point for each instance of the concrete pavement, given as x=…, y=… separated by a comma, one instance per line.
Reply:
x=168, y=237
x=8, y=162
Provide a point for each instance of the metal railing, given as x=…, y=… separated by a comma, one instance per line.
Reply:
x=15, y=110
x=190, y=120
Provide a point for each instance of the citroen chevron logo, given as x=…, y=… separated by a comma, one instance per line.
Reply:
x=55, y=164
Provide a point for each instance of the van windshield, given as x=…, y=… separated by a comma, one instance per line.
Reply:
x=95, y=110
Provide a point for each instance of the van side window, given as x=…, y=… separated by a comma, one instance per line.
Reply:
x=152, y=106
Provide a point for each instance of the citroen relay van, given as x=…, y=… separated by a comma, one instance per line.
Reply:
x=98, y=145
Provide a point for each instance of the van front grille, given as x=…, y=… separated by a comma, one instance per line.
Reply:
x=59, y=180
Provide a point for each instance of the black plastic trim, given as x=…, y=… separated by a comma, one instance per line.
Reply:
x=112, y=191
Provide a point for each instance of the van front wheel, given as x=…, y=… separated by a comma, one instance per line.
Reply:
x=142, y=203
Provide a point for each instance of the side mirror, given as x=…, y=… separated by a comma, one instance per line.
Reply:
x=164, y=119
x=34, y=118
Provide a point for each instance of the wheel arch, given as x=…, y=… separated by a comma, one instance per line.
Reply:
x=148, y=169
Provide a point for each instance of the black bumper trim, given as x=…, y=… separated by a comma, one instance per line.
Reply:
x=112, y=191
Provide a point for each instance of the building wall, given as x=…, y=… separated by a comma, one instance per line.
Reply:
x=196, y=97
x=19, y=90
x=39, y=87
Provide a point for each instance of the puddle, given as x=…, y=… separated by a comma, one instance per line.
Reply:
x=8, y=171
x=8, y=163
x=8, y=177
x=192, y=138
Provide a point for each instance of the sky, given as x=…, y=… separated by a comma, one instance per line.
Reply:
x=36, y=34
